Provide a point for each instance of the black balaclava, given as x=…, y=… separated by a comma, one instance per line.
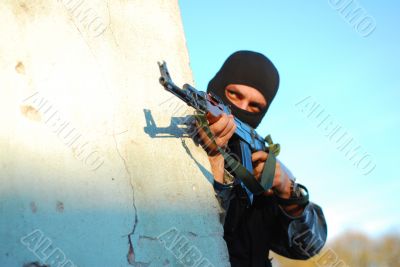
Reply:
x=251, y=69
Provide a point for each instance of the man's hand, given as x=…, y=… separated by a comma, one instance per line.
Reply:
x=281, y=183
x=222, y=128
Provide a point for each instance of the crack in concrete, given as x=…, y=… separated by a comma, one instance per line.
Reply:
x=109, y=26
x=131, y=251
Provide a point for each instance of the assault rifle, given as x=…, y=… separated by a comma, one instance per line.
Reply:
x=244, y=141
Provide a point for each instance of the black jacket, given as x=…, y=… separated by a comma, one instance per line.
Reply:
x=250, y=231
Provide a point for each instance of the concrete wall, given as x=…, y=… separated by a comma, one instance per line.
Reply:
x=92, y=171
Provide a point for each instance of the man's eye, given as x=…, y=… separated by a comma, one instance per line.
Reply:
x=255, y=107
x=234, y=95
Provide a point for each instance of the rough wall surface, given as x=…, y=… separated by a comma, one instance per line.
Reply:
x=93, y=170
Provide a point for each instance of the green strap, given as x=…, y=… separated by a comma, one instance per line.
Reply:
x=268, y=174
x=239, y=170
x=273, y=148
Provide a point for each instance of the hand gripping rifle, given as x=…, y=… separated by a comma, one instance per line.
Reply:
x=244, y=141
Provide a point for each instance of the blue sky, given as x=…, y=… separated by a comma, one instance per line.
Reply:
x=319, y=54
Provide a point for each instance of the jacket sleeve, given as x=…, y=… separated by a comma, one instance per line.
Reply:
x=294, y=237
x=300, y=237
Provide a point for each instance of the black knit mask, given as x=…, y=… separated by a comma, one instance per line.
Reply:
x=251, y=69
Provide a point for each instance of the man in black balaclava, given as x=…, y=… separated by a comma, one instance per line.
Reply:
x=248, y=82
x=251, y=69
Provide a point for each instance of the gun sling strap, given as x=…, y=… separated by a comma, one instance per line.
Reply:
x=268, y=173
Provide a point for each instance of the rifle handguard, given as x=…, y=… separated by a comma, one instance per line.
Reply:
x=239, y=170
